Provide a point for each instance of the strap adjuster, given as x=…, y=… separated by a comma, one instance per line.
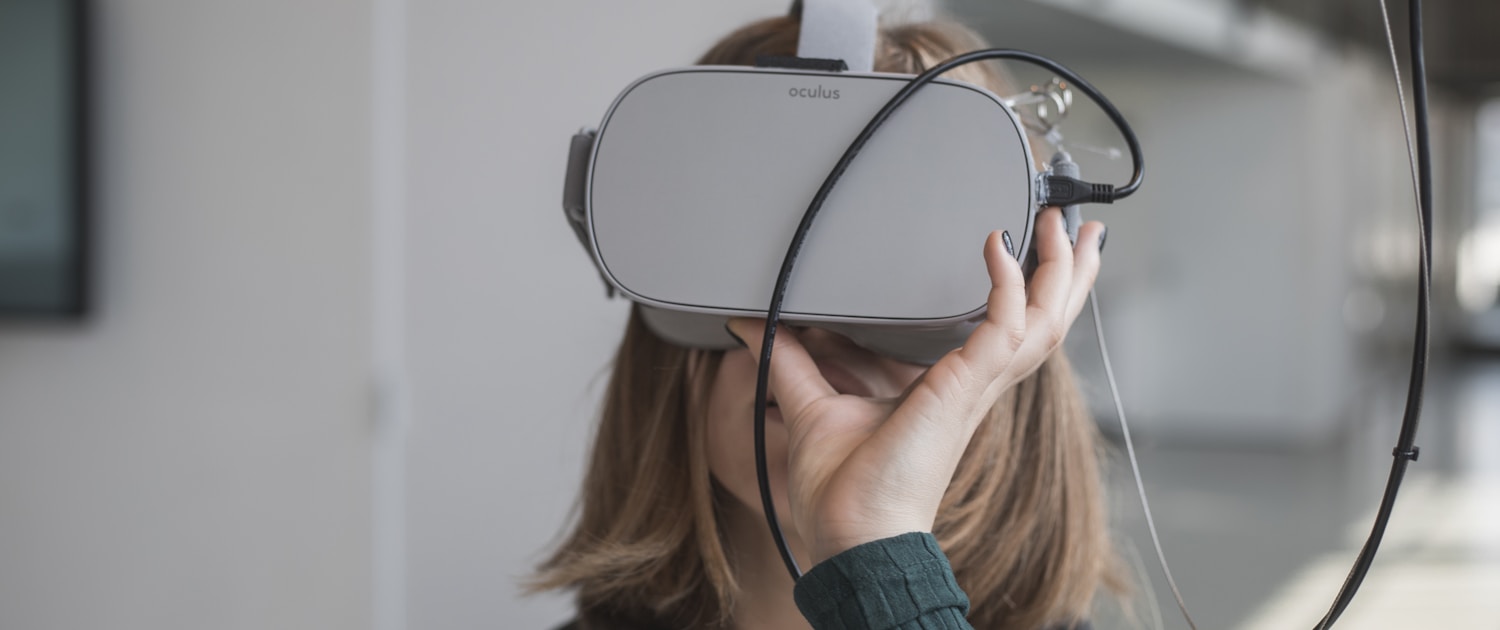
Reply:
x=575, y=185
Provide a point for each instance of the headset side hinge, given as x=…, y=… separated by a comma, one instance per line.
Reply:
x=575, y=186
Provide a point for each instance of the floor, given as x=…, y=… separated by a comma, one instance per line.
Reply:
x=1263, y=539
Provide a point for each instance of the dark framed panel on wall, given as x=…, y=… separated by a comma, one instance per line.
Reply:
x=44, y=158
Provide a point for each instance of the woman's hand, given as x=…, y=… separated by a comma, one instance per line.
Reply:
x=862, y=469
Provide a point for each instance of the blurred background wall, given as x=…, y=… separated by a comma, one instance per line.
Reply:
x=347, y=354
x=197, y=453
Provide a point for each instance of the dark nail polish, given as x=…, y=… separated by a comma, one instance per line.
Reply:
x=1103, y=236
x=1010, y=248
x=736, y=337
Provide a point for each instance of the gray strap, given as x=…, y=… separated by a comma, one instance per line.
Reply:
x=839, y=29
x=579, y=150
x=575, y=208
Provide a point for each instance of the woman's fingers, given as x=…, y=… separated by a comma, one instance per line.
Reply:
x=1057, y=298
x=987, y=351
x=1018, y=327
x=795, y=378
x=1085, y=266
x=1051, y=282
x=1025, y=325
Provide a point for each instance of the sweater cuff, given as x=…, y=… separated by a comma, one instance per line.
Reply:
x=882, y=584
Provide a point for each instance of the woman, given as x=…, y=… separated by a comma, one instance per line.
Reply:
x=905, y=488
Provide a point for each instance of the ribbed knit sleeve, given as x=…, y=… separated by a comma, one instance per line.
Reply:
x=903, y=582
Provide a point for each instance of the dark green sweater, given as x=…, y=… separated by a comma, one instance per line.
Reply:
x=902, y=582
x=898, y=583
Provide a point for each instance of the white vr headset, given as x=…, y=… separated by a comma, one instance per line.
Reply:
x=690, y=189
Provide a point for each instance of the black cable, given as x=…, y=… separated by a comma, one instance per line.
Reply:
x=1405, y=451
x=778, y=294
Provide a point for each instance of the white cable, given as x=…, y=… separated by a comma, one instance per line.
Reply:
x=1411, y=154
x=1135, y=467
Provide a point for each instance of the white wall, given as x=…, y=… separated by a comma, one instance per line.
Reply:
x=509, y=327
x=197, y=454
x=1270, y=253
x=1225, y=278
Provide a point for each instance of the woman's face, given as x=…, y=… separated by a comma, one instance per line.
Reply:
x=849, y=368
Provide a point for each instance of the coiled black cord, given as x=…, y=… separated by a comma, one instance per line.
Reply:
x=778, y=294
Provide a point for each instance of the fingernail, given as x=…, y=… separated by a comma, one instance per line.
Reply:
x=1010, y=248
x=1103, y=236
x=736, y=337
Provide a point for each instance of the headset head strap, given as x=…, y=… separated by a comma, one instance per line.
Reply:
x=838, y=29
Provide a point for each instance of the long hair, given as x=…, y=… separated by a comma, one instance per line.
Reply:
x=1023, y=522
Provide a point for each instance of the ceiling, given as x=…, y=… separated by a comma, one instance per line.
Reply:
x=1461, y=38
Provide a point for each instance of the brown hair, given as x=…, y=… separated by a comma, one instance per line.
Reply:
x=1023, y=521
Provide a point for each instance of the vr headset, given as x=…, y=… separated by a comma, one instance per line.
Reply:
x=689, y=190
